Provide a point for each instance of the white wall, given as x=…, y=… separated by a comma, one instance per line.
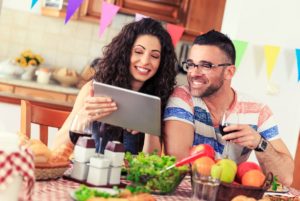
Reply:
x=269, y=22
x=23, y=5
x=10, y=121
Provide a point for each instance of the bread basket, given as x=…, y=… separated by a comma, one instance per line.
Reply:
x=47, y=172
x=227, y=192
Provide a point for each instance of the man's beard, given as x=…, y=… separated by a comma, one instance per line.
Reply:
x=209, y=91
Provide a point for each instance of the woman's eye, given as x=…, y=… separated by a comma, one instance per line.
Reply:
x=155, y=56
x=138, y=52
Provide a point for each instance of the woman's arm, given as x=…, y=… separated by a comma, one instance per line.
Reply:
x=62, y=136
x=152, y=143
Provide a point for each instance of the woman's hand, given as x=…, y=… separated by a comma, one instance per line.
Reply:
x=97, y=107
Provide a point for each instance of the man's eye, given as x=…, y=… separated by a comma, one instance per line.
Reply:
x=190, y=64
x=206, y=65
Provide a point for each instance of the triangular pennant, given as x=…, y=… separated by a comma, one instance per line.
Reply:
x=33, y=2
x=108, y=11
x=73, y=5
x=0, y=6
x=271, y=54
x=298, y=62
x=240, y=47
x=175, y=31
x=139, y=16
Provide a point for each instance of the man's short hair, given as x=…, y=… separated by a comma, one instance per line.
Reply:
x=219, y=40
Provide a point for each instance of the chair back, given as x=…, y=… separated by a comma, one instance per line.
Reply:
x=43, y=116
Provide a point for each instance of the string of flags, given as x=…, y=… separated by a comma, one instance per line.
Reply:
x=108, y=11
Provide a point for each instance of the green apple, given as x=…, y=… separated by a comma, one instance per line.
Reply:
x=225, y=170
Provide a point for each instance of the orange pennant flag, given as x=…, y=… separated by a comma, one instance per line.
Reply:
x=271, y=54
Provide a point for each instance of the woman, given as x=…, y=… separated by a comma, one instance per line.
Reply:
x=142, y=58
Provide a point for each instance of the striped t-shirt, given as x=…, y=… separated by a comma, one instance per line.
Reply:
x=192, y=110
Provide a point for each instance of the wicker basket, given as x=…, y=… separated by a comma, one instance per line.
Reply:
x=46, y=172
x=227, y=192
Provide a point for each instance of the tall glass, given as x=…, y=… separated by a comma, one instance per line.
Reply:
x=80, y=126
x=228, y=118
x=205, y=188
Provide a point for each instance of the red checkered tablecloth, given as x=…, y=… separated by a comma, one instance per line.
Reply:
x=61, y=189
x=17, y=163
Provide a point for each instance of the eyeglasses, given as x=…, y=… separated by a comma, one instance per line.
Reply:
x=205, y=66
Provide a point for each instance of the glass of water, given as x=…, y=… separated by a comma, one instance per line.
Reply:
x=205, y=188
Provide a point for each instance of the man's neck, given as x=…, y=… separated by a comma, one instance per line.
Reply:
x=219, y=102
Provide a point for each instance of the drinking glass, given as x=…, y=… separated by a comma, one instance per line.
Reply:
x=228, y=118
x=80, y=127
x=205, y=188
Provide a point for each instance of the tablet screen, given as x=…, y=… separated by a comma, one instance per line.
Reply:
x=136, y=111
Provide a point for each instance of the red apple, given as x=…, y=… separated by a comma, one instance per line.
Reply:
x=245, y=167
x=208, y=150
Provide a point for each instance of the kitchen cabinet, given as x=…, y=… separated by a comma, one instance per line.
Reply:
x=196, y=16
x=173, y=11
x=13, y=90
x=40, y=93
x=6, y=87
x=202, y=16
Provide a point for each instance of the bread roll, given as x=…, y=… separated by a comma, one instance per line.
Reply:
x=62, y=154
x=40, y=151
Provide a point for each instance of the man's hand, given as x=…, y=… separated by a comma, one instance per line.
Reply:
x=243, y=135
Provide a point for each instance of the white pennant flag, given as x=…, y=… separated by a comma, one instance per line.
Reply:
x=0, y=6
x=139, y=16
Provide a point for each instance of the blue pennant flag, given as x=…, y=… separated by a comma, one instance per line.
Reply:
x=298, y=62
x=33, y=2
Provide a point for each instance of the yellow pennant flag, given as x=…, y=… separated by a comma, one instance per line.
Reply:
x=271, y=54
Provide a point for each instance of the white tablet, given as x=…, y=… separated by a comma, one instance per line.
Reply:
x=136, y=111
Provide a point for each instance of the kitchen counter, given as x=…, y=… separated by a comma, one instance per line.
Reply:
x=13, y=90
x=52, y=86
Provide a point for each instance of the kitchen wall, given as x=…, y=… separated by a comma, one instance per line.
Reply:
x=72, y=45
x=275, y=23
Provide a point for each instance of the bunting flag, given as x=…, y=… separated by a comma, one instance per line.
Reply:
x=139, y=16
x=298, y=62
x=240, y=47
x=0, y=6
x=33, y=2
x=271, y=54
x=73, y=5
x=175, y=31
x=108, y=11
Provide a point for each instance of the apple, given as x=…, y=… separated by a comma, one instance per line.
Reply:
x=206, y=148
x=245, y=167
x=225, y=170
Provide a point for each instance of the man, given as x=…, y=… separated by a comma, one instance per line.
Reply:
x=194, y=112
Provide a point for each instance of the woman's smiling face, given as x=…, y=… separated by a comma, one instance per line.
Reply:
x=144, y=60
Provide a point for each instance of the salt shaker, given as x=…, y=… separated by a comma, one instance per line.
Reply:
x=84, y=149
x=98, y=171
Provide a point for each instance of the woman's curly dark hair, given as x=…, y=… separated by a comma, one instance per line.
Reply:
x=113, y=67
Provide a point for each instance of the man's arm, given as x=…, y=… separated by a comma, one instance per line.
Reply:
x=178, y=138
x=277, y=159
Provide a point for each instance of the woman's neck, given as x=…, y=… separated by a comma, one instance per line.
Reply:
x=136, y=85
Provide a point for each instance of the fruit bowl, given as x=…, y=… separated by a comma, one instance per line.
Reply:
x=229, y=191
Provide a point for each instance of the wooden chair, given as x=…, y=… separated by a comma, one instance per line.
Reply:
x=43, y=116
x=296, y=179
